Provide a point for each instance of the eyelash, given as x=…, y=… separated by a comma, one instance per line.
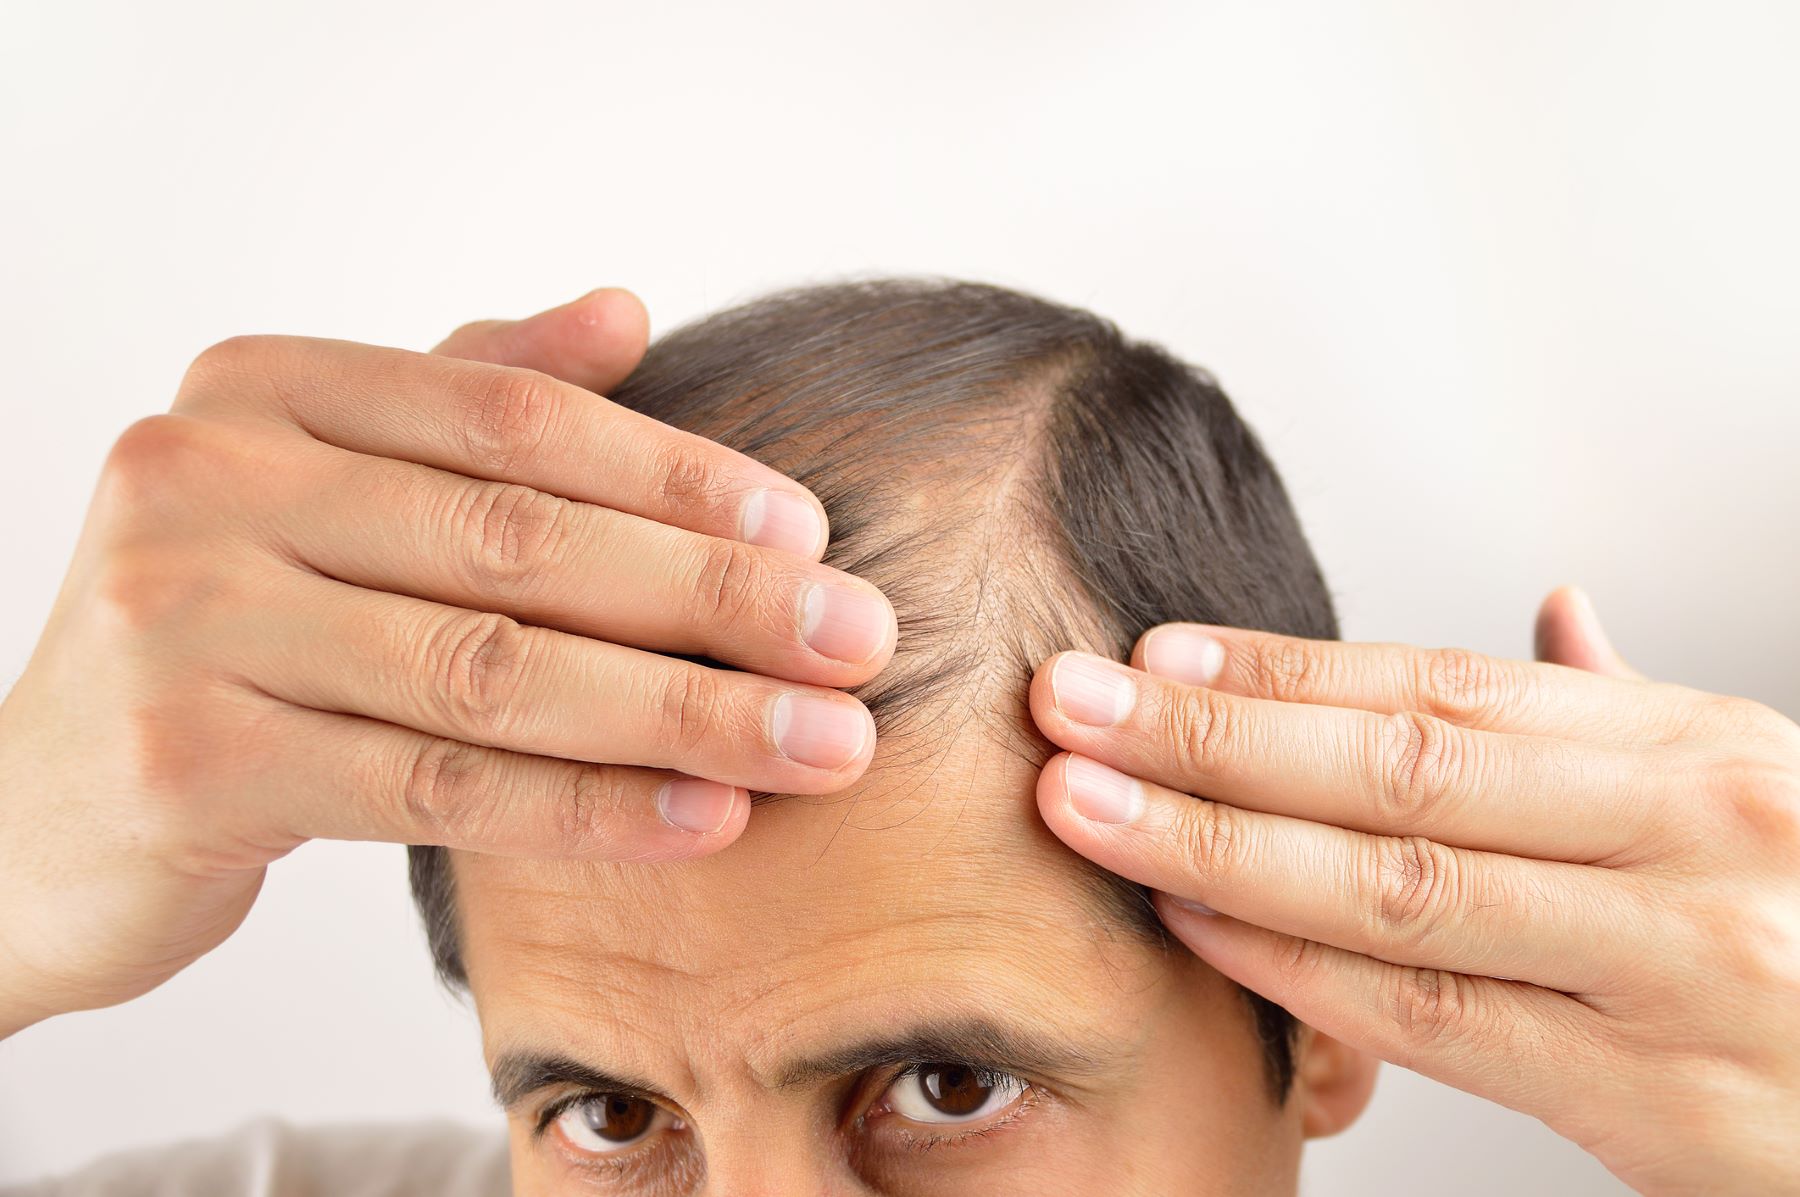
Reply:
x=629, y=1168
x=550, y=1113
x=918, y=1142
x=914, y=1141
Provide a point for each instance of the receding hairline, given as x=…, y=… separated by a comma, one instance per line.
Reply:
x=1217, y=540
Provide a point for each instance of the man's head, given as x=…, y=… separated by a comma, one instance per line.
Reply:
x=1018, y=479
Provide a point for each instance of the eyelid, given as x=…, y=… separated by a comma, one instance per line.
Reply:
x=554, y=1110
x=921, y=1137
x=551, y=1111
x=664, y=1162
x=865, y=1090
x=1031, y=1091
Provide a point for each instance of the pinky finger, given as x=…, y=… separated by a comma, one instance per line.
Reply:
x=1508, y=1041
x=353, y=778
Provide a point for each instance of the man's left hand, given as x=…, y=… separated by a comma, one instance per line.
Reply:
x=1571, y=890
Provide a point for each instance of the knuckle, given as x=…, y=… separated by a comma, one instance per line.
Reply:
x=590, y=793
x=1415, y=884
x=445, y=788
x=1762, y=801
x=1211, y=841
x=171, y=760
x=1757, y=942
x=508, y=418
x=1420, y=757
x=140, y=588
x=1459, y=685
x=1201, y=727
x=151, y=456
x=1755, y=720
x=1429, y=1005
x=230, y=358
x=734, y=585
x=514, y=532
x=1286, y=670
x=478, y=660
x=693, y=708
x=686, y=478
x=1693, y=715
x=1296, y=962
x=153, y=438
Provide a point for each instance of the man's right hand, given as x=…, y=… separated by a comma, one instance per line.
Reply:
x=360, y=593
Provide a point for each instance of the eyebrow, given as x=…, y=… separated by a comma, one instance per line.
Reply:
x=977, y=1042
x=517, y=1075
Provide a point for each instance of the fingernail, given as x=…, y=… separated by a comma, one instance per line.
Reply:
x=1195, y=907
x=819, y=731
x=1091, y=691
x=1183, y=655
x=694, y=804
x=775, y=519
x=1102, y=794
x=844, y=624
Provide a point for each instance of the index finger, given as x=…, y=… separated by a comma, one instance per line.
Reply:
x=507, y=425
x=1400, y=774
x=1459, y=686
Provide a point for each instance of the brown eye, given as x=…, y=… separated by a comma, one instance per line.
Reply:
x=618, y=1119
x=953, y=1089
x=938, y=1093
x=609, y=1122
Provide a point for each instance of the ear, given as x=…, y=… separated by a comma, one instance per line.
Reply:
x=1333, y=1083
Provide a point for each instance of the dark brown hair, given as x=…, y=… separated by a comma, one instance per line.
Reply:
x=1017, y=477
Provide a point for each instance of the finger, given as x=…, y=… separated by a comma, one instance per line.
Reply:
x=338, y=776
x=580, y=568
x=485, y=679
x=1398, y=774
x=1406, y=900
x=1517, y=1044
x=507, y=425
x=1568, y=633
x=593, y=342
x=1463, y=687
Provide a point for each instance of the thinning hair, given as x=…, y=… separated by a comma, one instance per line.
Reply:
x=1018, y=478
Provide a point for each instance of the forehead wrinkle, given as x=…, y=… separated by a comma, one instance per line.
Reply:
x=580, y=1010
x=730, y=965
x=791, y=943
x=597, y=962
x=963, y=934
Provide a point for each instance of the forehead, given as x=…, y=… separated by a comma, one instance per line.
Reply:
x=931, y=887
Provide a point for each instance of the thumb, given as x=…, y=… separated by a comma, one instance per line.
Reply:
x=1569, y=633
x=592, y=342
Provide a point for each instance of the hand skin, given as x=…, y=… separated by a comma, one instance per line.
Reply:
x=1557, y=885
x=360, y=593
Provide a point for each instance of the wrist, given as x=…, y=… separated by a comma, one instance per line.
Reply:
x=18, y=1008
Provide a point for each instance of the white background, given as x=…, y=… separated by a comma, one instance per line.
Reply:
x=1508, y=289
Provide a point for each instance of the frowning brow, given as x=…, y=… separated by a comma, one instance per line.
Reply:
x=517, y=1075
x=978, y=1042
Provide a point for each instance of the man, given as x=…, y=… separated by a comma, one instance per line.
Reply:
x=1433, y=857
